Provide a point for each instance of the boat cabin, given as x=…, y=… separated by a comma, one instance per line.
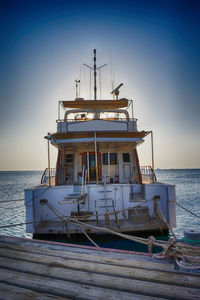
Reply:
x=97, y=140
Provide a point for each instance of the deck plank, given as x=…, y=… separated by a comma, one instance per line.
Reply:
x=146, y=264
x=8, y=292
x=88, y=250
x=105, y=281
x=65, y=289
x=32, y=269
x=113, y=270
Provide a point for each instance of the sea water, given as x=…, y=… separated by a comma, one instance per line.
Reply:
x=12, y=185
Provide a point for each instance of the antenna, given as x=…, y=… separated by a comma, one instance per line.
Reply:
x=112, y=73
x=95, y=73
x=116, y=90
x=77, y=82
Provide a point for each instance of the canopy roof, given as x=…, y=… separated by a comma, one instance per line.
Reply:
x=96, y=104
x=73, y=135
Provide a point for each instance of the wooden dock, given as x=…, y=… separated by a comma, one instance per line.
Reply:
x=33, y=269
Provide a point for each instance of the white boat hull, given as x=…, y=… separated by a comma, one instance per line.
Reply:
x=119, y=207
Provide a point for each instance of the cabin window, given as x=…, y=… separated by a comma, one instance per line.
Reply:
x=113, y=158
x=69, y=168
x=126, y=157
x=69, y=158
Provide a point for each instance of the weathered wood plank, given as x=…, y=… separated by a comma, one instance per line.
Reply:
x=75, y=248
x=152, y=265
x=65, y=289
x=114, y=270
x=11, y=292
x=88, y=250
x=104, y=281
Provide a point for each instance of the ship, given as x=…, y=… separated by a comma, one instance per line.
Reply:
x=98, y=185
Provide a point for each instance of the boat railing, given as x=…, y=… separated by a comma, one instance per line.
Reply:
x=84, y=119
x=63, y=125
x=84, y=180
x=148, y=174
x=48, y=176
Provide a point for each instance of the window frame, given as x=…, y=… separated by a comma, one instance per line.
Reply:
x=105, y=159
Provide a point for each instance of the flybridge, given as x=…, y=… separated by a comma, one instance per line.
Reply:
x=92, y=115
x=100, y=106
x=91, y=104
x=85, y=110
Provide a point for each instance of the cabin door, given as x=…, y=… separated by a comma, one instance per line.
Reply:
x=89, y=161
x=127, y=166
x=127, y=171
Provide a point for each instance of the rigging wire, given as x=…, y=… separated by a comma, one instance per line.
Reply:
x=112, y=76
x=90, y=83
x=86, y=83
x=100, y=84
x=80, y=82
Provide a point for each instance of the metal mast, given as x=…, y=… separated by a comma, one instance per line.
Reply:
x=95, y=73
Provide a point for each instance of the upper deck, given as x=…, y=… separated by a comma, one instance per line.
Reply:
x=96, y=115
x=95, y=104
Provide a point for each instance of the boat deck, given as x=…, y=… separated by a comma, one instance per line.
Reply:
x=33, y=269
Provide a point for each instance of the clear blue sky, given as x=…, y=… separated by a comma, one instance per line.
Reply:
x=153, y=45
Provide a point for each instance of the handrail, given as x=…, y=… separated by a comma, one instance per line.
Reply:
x=96, y=112
x=92, y=119
x=148, y=174
x=46, y=173
x=60, y=105
x=83, y=181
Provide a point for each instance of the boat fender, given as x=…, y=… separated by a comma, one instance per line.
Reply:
x=191, y=237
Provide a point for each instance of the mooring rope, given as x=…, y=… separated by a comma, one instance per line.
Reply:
x=171, y=249
x=133, y=238
x=186, y=265
x=12, y=200
x=188, y=210
x=179, y=251
x=25, y=223
x=182, y=253
x=22, y=199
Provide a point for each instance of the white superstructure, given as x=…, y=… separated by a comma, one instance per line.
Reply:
x=98, y=179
